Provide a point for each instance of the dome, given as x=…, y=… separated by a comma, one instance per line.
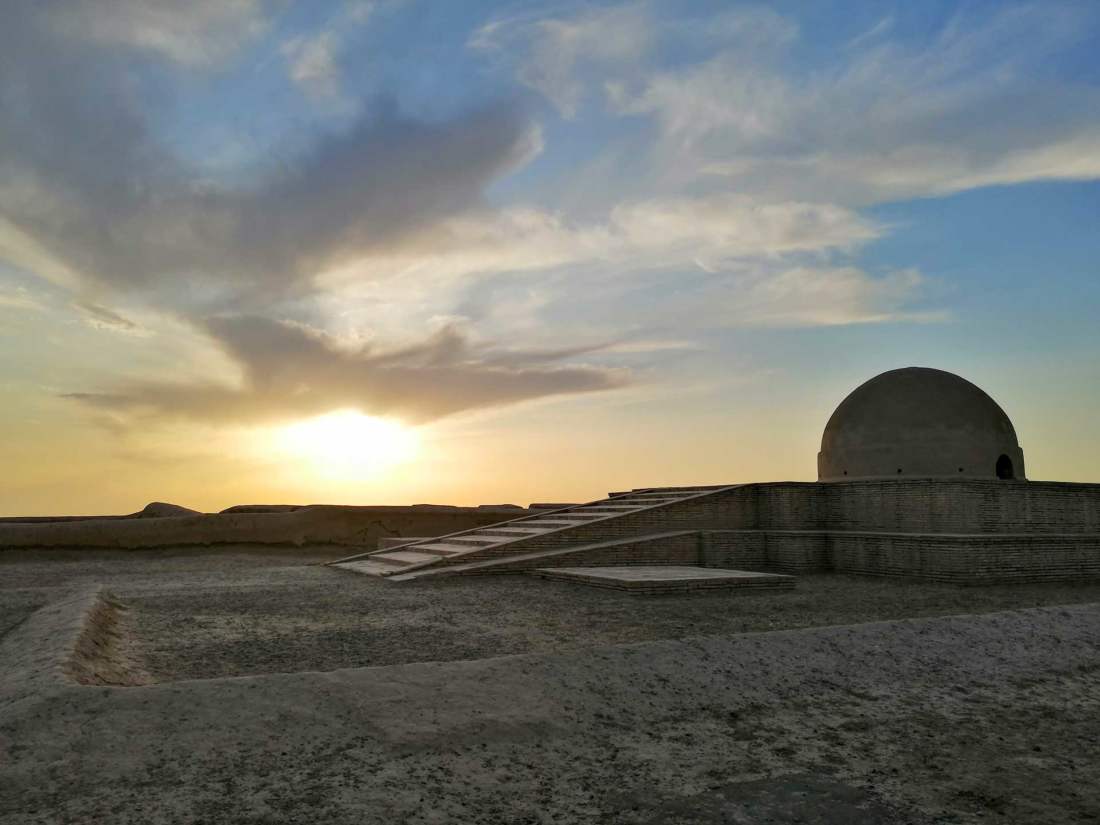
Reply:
x=919, y=422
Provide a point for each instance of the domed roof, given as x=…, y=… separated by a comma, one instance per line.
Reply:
x=919, y=422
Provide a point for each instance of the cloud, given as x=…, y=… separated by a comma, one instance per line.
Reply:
x=565, y=56
x=94, y=197
x=89, y=193
x=361, y=191
x=18, y=298
x=312, y=59
x=313, y=64
x=557, y=51
x=885, y=116
x=290, y=370
x=883, y=120
x=829, y=296
x=707, y=232
x=100, y=317
x=209, y=31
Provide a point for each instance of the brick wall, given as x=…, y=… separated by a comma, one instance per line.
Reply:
x=961, y=506
x=960, y=559
x=981, y=559
x=802, y=552
x=913, y=505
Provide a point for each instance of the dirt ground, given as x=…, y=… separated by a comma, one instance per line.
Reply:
x=669, y=709
x=200, y=614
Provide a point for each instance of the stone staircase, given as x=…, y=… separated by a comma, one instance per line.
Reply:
x=509, y=538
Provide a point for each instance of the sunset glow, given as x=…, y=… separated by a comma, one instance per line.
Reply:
x=347, y=445
x=581, y=245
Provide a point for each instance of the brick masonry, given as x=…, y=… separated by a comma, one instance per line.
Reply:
x=965, y=531
x=960, y=559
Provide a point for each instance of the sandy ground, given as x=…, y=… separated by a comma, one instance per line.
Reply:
x=929, y=721
x=206, y=614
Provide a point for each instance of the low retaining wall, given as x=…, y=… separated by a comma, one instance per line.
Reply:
x=959, y=559
x=984, y=559
x=791, y=552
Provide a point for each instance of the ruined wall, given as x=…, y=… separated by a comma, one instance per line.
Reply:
x=314, y=524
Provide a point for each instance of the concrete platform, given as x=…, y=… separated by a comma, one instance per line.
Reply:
x=641, y=580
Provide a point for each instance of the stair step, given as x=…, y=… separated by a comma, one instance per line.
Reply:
x=474, y=540
x=405, y=557
x=440, y=548
x=517, y=531
x=560, y=522
x=681, y=493
x=611, y=508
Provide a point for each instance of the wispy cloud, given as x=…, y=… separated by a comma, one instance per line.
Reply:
x=885, y=119
x=567, y=55
x=707, y=232
x=313, y=59
x=18, y=298
x=101, y=317
x=554, y=53
x=291, y=370
x=208, y=32
x=829, y=296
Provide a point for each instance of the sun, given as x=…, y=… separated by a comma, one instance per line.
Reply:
x=347, y=444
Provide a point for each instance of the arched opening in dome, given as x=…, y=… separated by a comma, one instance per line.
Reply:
x=1004, y=468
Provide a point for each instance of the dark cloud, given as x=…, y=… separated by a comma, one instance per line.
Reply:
x=84, y=176
x=86, y=184
x=291, y=370
x=103, y=318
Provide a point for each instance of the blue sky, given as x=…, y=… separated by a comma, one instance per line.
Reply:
x=498, y=224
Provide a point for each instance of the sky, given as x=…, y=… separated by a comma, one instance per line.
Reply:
x=498, y=252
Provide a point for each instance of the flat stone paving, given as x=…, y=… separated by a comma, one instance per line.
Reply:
x=666, y=578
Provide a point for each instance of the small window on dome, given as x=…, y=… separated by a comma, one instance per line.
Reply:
x=1005, y=469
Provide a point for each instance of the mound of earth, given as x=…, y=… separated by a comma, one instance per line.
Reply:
x=162, y=509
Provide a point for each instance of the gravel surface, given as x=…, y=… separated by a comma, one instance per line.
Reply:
x=205, y=614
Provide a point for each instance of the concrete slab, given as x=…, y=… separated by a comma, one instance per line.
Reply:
x=666, y=578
